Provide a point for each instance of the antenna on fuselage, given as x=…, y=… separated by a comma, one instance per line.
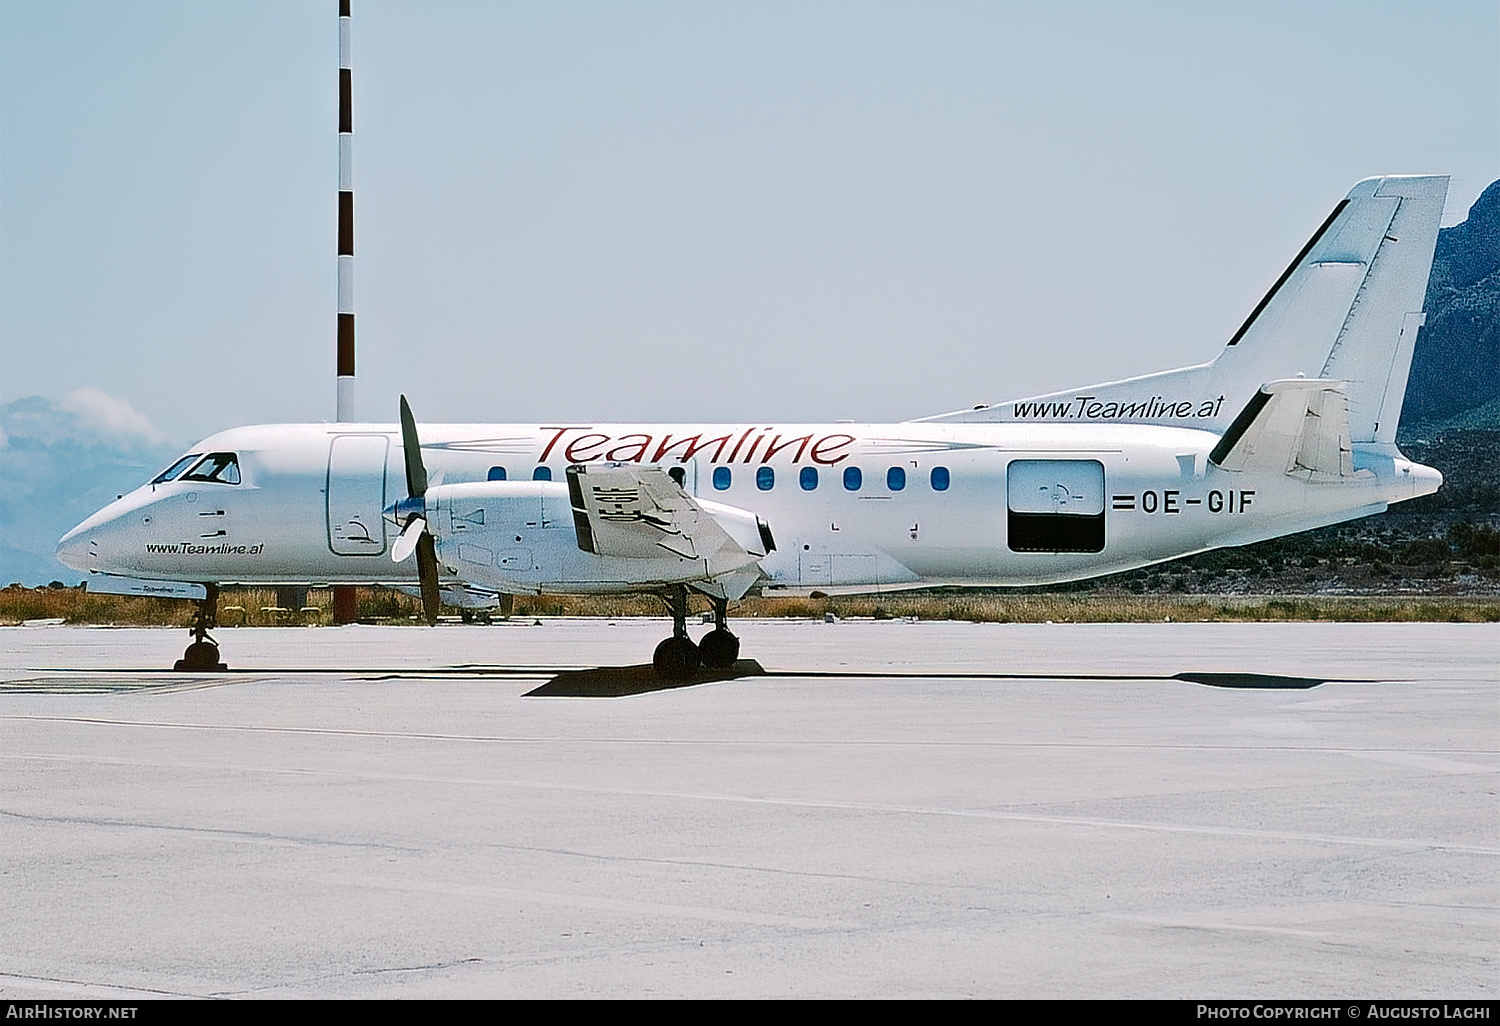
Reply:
x=345, y=339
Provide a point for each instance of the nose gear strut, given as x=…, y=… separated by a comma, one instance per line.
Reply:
x=203, y=653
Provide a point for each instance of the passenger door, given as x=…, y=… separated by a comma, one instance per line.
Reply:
x=356, y=494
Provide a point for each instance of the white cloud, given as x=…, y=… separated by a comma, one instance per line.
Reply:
x=102, y=411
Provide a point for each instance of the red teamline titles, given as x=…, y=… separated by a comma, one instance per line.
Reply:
x=638, y=448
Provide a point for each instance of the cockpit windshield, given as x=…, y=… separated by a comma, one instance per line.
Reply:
x=218, y=467
x=170, y=474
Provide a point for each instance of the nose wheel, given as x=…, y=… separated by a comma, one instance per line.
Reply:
x=677, y=658
x=203, y=653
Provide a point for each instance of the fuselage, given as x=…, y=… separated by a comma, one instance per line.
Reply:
x=853, y=507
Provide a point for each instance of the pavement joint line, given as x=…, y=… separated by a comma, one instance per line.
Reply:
x=1403, y=844
x=739, y=867
x=152, y=991
x=1188, y=924
x=357, y=671
x=477, y=670
x=218, y=833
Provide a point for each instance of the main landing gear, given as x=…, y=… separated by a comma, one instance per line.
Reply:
x=677, y=657
x=203, y=653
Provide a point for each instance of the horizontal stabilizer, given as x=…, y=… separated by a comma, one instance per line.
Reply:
x=1297, y=426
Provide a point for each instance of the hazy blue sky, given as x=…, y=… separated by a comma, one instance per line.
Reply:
x=592, y=211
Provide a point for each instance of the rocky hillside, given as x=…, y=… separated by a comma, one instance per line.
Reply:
x=1455, y=373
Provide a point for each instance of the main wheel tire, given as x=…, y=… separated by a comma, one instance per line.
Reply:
x=200, y=655
x=719, y=649
x=675, y=658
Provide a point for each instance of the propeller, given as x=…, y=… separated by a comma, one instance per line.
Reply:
x=411, y=513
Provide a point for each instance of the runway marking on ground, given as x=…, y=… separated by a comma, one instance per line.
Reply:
x=70, y=987
x=209, y=833
x=1393, y=843
x=592, y=902
x=93, y=684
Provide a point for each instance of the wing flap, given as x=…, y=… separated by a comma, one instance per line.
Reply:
x=635, y=512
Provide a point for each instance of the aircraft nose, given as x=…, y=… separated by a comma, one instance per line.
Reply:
x=78, y=549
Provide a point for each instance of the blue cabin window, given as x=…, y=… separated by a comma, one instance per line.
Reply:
x=940, y=479
x=765, y=478
x=853, y=478
x=808, y=478
x=542, y=474
x=495, y=474
x=895, y=478
x=722, y=477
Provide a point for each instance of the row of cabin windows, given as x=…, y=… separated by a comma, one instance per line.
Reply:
x=854, y=478
x=765, y=478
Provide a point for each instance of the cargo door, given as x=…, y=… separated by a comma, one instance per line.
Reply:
x=1055, y=505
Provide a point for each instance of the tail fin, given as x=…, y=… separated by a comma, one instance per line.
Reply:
x=1347, y=308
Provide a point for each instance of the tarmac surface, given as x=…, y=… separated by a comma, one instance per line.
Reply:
x=890, y=809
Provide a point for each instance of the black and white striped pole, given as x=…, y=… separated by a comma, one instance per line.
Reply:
x=344, y=409
x=345, y=598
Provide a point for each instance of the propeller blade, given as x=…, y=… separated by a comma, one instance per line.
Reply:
x=406, y=544
x=416, y=473
x=427, y=572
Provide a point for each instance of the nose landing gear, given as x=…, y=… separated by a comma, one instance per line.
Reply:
x=203, y=653
x=677, y=658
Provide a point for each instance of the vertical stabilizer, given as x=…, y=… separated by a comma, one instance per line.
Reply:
x=1347, y=308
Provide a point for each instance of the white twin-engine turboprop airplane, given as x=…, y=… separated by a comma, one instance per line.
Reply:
x=1291, y=427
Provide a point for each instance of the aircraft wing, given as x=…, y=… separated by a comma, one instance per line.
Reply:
x=641, y=512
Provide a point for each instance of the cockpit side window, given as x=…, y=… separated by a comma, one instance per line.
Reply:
x=171, y=472
x=217, y=467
